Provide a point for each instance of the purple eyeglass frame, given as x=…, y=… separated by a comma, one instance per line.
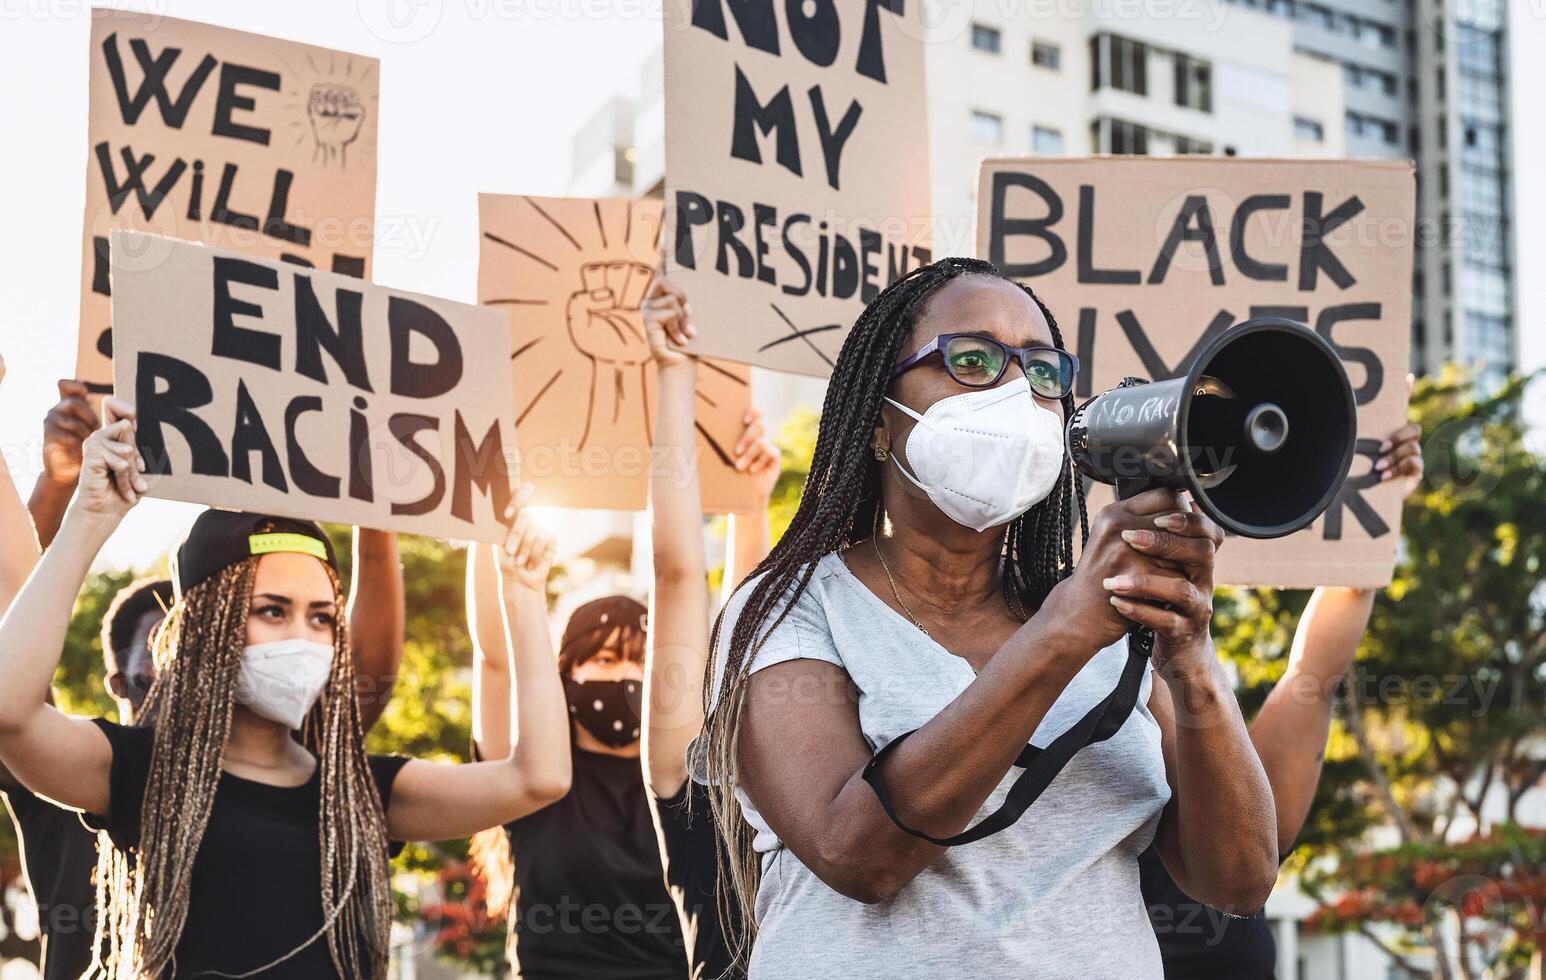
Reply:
x=1010, y=354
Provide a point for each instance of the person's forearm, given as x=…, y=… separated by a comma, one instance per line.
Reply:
x=18, y=546
x=539, y=714
x=678, y=636
x=939, y=778
x=751, y=538
x=50, y=499
x=490, y=654
x=32, y=633
x=1227, y=839
x=1291, y=729
x=376, y=619
x=676, y=502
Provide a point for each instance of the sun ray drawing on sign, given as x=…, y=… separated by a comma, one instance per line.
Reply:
x=572, y=274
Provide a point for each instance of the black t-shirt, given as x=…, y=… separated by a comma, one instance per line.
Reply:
x=58, y=855
x=256, y=888
x=1201, y=943
x=691, y=851
x=591, y=899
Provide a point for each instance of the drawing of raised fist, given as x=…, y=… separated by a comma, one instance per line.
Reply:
x=605, y=325
x=336, y=114
x=604, y=319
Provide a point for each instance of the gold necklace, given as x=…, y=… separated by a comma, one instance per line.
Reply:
x=875, y=540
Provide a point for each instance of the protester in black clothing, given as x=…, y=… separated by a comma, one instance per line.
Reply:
x=58, y=852
x=259, y=828
x=581, y=879
x=1289, y=733
x=679, y=622
x=596, y=853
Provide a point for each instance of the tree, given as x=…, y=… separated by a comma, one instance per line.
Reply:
x=1441, y=724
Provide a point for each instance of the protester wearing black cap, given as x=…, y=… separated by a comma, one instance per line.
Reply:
x=58, y=852
x=259, y=829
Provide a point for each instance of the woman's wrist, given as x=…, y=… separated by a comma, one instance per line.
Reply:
x=87, y=528
x=683, y=372
x=1197, y=684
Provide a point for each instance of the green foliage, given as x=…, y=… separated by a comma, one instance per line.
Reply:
x=796, y=444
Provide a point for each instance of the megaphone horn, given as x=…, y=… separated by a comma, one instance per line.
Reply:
x=1260, y=430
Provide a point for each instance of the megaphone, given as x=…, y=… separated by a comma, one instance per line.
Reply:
x=1260, y=430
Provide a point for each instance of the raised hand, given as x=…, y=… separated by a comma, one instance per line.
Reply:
x=65, y=429
x=112, y=472
x=756, y=455
x=1401, y=458
x=526, y=557
x=667, y=320
x=604, y=316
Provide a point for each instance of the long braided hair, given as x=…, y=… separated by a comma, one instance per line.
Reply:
x=839, y=507
x=144, y=898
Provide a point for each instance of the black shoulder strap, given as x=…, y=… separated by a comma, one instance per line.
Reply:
x=1041, y=765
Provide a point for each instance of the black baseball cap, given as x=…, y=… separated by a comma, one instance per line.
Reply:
x=219, y=539
x=605, y=614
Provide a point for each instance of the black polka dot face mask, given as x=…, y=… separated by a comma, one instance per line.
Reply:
x=609, y=710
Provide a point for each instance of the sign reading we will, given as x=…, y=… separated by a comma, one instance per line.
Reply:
x=266, y=386
x=797, y=169
x=1145, y=261
x=232, y=139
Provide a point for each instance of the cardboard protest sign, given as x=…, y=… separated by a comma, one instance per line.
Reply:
x=267, y=386
x=1143, y=261
x=797, y=169
x=245, y=142
x=571, y=274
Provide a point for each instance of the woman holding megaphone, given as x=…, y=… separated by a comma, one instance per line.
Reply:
x=245, y=831
x=878, y=680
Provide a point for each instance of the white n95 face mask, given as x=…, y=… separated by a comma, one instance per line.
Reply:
x=281, y=681
x=985, y=457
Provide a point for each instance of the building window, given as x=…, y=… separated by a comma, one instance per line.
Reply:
x=1116, y=136
x=1119, y=63
x=622, y=165
x=1487, y=341
x=1365, y=127
x=987, y=127
x=1045, y=54
x=1046, y=141
x=1309, y=129
x=986, y=38
x=1194, y=87
x=1318, y=16
x=1370, y=79
x=1186, y=146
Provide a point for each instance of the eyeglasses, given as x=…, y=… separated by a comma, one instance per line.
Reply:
x=978, y=362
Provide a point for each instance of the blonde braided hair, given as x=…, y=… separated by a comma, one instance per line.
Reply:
x=143, y=900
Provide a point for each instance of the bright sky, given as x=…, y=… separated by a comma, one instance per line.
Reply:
x=476, y=95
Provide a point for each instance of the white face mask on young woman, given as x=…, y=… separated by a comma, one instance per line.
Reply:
x=282, y=680
x=985, y=457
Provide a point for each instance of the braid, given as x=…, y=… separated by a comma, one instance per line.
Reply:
x=838, y=507
x=143, y=900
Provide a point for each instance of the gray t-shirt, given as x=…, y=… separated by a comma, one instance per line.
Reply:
x=1056, y=895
